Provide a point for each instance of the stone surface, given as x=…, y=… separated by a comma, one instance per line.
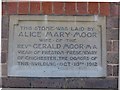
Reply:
x=54, y=48
x=60, y=83
x=75, y=83
x=48, y=82
x=101, y=83
x=15, y=82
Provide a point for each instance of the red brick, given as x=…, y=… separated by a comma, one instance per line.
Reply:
x=93, y=8
x=113, y=9
x=105, y=9
x=12, y=7
x=23, y=8
x=70, y=8
x=34, y=7
x=47, y=8
x=4, y=8
x=119, y=11
x=82, y=8
x=58, y=8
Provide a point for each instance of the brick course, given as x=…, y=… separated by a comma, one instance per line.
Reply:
x=93, y=8
x=58, y=8
x=105, y=8
x=47, y=8
x=82, y=8
x=70, y=8
x=12, y=7
x=23, y=8
x=34, y=7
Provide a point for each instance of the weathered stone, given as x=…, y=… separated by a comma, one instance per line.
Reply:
x=57, y=48
x=48, y=82
x=74, y=83
x=15, y=82
x=101, y=83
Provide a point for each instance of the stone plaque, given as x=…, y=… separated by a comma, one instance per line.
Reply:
x=57, y=46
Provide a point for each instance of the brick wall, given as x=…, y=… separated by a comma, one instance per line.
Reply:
x=55, y=8
x=110, y=10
